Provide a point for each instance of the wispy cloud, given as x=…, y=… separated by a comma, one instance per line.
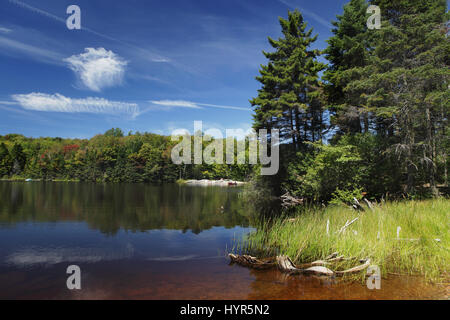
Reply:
x=5, y=30
x=59, y=103
x=154, y=57
x=194, y=105
x=224, y=107
x=176, y=104
x=32, y=51
x=294, y=4
x=8, y=103
x=98, y=68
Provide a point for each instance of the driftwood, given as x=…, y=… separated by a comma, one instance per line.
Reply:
x=288, y=201
x=332, y=256
x=369, y=204
x=251, y=262
x=359, y=268
x=285, y=265
x=356, y=205
x=347, y=224
x=325, y=262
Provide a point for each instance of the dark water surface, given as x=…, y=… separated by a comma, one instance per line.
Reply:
x=136, y=241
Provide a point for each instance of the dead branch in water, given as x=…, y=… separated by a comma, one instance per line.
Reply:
x=285, y=265
x=359, y=268
x=251, y=262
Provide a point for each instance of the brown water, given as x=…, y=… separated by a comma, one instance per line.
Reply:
x=136, y=241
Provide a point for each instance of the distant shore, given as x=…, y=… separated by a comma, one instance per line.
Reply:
x=206, y=182
x=203, y=182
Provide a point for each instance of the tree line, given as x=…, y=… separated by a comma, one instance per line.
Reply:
x=375, y=119
x=108, y=157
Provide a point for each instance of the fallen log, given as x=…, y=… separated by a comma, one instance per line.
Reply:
x=319, y=263
x=331, y=256
x=251, y=262
x=285, y=265
x=319, y=271
x=359, y=268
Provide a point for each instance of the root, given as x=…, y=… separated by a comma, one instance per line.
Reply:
x=285, y=265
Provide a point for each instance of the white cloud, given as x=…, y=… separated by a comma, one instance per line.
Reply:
x=224, y=107
x=98, y=68
x=176, y=103
x=59, y=103
x=194, y=105
x=5, y=30
x=8, y=103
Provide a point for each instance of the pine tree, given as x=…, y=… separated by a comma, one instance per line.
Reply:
x=289, y=99
x=347, y=49
x=406, y=82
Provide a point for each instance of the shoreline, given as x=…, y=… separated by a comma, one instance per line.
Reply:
x=408, y=237
x=206, y=183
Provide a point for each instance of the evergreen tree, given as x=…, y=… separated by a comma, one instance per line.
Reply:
x=289, y=99
x=347, y=49
x=406, y=81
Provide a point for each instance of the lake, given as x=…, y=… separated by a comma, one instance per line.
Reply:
x=138, y=241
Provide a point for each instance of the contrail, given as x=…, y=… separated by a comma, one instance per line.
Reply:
x=193, y=105
x=223, y=107
x=314, y=16
x=154, y=57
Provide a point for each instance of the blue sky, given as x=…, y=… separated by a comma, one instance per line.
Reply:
x=139, y=65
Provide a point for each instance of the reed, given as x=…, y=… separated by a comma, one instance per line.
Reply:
x=304, y=238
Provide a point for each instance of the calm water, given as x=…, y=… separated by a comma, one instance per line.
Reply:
x=136, y=241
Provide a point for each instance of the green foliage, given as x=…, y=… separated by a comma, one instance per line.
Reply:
x=385, y=129
x=109, y=157
x=303, y=238
x=290, y=97
x=347, y=49
x=5, y=161
x=346, y=197
x=330, y=168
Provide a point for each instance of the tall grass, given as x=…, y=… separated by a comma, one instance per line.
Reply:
x=374, y=235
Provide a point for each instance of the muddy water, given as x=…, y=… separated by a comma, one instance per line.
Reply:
x=145, y=242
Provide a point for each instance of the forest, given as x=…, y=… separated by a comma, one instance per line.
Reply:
x=108, y=157
x=372, y=121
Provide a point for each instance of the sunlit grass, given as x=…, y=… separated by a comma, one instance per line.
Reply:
x=303, y=237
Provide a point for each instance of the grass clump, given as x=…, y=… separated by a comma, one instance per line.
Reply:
x=304, y=237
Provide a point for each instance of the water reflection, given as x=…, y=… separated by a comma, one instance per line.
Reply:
x=37, y=256
x=136, y=241
x=133, y=207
